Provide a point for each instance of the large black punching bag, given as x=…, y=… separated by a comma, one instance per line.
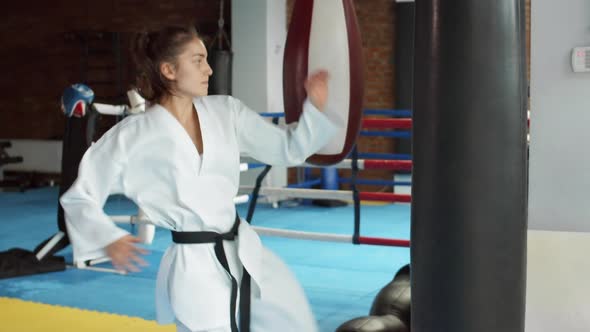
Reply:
x=469, y=194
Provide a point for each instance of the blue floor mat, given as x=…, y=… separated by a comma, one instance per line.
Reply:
x=340, y=279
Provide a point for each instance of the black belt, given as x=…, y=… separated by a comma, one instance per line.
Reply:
x=217, y=238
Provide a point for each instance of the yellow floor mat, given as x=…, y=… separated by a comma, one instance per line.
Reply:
x=20, y=316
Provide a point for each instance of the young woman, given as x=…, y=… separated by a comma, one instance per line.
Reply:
x=180, y=161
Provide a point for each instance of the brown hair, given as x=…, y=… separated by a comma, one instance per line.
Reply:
x=149, y=50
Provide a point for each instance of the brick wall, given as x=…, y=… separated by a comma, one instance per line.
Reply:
x=42, y=55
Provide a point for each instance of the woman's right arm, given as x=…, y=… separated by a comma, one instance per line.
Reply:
x=91, y=231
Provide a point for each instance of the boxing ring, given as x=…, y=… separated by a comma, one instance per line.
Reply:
x=354, y=164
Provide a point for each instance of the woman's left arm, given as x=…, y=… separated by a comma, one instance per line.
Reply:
x=270, y=144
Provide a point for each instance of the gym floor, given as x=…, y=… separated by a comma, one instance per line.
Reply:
x=340, y=279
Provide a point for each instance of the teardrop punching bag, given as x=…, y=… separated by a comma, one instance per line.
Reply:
x=469, y=194
x=324, y=34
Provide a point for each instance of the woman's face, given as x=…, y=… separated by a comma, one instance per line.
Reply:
x=192, y=70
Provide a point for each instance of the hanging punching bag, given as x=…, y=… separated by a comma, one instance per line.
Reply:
x=324, y=34
x=220, y=59
x=469, y=193
x=221, y=64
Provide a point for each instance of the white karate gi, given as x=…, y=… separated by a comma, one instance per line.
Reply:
x=151, y=159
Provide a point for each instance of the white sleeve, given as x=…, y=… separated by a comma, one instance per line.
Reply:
x=273, y=145
x=100, y=174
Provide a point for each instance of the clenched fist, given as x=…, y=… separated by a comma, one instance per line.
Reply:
x=316, y=86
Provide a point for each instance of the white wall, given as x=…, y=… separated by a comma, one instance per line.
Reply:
x=560, y=117
x=276, y=36
x=558, y=280
x=38, y=155
x=558, y=267
x=258, y=39
x=249, y=77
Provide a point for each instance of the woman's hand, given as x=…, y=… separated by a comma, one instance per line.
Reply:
x=124, y=254
x=316, y=86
